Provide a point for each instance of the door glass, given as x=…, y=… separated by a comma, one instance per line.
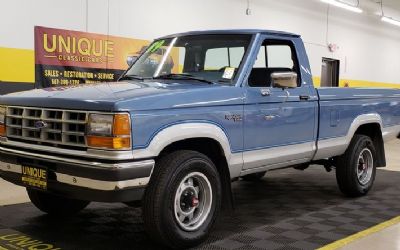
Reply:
x=272, y=58
x=258, y=76
x=280, y=56
x=261, y=60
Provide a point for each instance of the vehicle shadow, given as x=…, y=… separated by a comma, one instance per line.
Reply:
x=279, y=196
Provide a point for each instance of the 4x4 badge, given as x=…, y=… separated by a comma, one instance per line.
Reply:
x=235, y=118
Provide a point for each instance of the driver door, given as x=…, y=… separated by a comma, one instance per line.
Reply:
x=279, y=124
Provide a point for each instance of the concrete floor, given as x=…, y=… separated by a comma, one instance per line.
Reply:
x=387, y=239
x=11, y=194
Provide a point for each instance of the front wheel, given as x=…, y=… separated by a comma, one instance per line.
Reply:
x=356, y=169
x=55, y=205
x=182, y=200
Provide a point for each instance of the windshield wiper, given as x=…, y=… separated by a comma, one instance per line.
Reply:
x=183, y=77
x=131, y=77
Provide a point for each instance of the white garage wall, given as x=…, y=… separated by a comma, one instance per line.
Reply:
x=368, y=48
x=18, y=17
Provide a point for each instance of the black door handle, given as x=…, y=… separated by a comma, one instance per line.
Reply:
x=304, y=97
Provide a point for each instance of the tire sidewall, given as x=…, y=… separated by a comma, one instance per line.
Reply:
x=207, y=168
x=361, y=145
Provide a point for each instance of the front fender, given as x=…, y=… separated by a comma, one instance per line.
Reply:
x=182, y=131
x=178, y=132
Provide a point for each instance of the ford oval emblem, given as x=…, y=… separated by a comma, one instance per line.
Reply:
x=40, y=124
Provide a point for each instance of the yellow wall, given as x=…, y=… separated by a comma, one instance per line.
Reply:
x=17, y=65
x=359, y=83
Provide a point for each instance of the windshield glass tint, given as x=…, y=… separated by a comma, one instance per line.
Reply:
x=210, y=57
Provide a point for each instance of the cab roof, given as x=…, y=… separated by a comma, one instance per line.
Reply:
x=234, y=31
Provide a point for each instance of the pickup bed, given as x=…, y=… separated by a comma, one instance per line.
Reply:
x=177, y=129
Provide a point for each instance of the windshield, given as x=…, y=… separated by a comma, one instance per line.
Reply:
x=212, y=58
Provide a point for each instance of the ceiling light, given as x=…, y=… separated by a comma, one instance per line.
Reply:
x=343, y=5
x=390, y=20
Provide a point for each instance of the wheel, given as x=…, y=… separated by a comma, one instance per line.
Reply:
x=254, y=177
x=55, y=205
x=356, y=169
x=182, y=200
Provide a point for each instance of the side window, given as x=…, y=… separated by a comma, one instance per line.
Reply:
x=274, y=56
x=280, y=56
x=261, y=60
x=223, y=57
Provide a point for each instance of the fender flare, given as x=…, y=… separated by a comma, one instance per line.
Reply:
x=182, y=131
x=363, y=120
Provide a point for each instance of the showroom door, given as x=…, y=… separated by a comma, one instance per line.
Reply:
x=279, y=124
x=330, y=72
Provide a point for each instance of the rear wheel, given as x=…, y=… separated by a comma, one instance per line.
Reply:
x=182, y=200
x=55, y=205
x=356, y=169
x=254, y=177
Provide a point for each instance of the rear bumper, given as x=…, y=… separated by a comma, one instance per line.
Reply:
x=106, y=181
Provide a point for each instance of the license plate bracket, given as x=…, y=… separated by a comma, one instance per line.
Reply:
x=34, y=177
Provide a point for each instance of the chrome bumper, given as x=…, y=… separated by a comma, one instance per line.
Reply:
x=105, y=176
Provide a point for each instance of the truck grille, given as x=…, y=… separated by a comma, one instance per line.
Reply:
x=59, y=127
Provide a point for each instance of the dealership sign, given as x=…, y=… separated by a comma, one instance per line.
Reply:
x=65, y=57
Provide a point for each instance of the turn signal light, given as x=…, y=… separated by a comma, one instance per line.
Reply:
x=122, y=124
x=2, y=130
x=109, y=142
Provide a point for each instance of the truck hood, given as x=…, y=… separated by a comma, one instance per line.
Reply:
x=117, y=96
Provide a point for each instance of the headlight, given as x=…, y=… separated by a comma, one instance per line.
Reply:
x=100, y=124
x=3, y=121
x=109, y=131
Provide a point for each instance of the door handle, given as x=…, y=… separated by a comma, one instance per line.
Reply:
x=304, y=97
x=265, y=92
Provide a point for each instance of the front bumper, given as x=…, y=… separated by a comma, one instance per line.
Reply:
x=105, y=181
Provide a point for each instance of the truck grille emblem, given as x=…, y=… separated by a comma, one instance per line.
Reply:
x=41, y=124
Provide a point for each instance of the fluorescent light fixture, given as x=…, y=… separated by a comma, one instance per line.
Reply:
x=391, y=20
x=343, y=5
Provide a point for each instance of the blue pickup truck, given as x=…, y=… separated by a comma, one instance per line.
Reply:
x=177, y=129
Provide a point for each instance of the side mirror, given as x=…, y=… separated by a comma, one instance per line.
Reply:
x=284, y=80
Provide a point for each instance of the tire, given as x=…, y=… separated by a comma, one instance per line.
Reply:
x=254, y=177
x=169, y=185
x=356, y=169
x=55, y=205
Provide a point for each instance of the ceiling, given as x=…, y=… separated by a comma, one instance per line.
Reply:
x=394, y=4
x=391, y=8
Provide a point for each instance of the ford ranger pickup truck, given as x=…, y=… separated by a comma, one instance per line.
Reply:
x=237, y=103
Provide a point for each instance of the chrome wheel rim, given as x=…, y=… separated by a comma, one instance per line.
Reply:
x=365, y=166
x=193, y=200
